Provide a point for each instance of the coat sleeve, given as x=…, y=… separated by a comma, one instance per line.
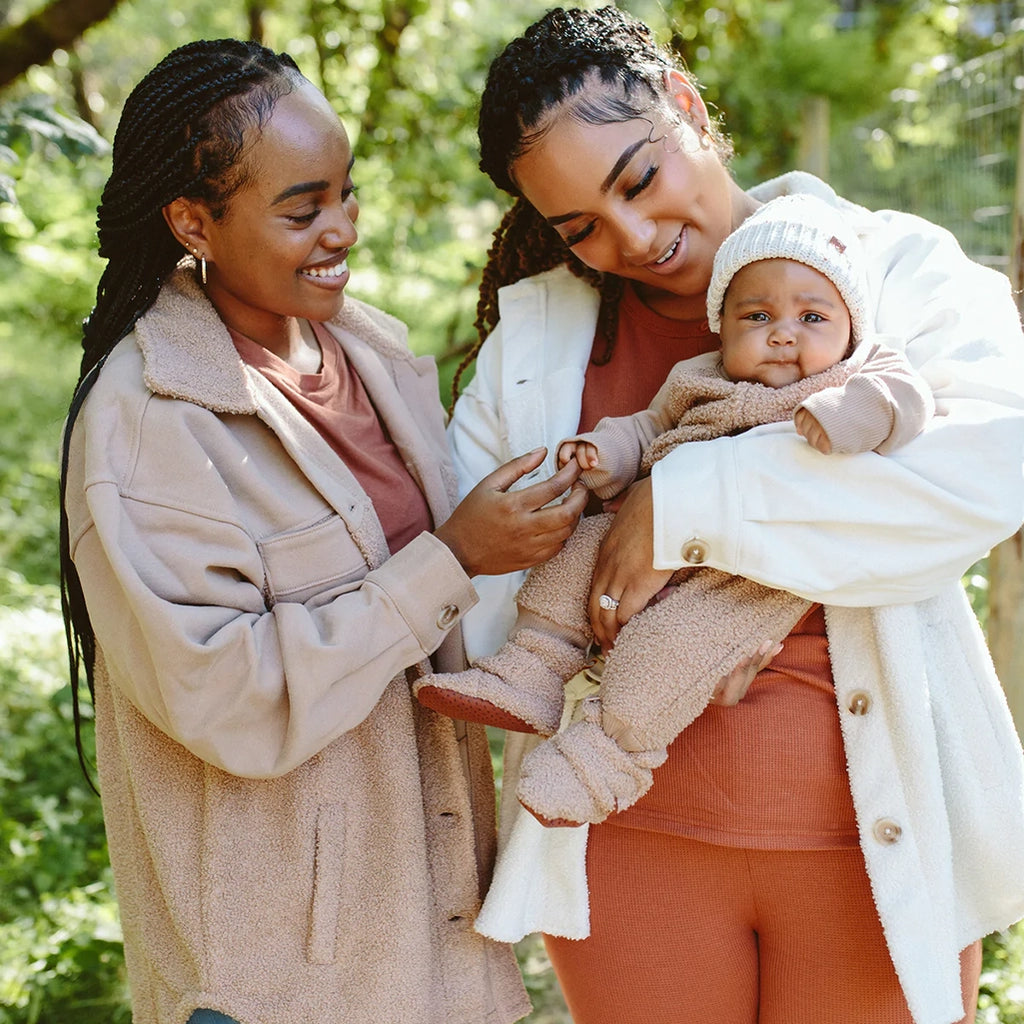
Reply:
x=180, y=598
x=868, y=529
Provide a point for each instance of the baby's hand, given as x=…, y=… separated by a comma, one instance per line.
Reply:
x=808, y=427
x=732, y=688
x=583, y=452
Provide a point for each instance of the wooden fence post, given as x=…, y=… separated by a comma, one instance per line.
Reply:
x=1006, y=562
x=815, y=117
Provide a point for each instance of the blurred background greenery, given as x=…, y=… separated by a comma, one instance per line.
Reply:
x=906, y=103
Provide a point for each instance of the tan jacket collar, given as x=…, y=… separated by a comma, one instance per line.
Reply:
x=188, y=352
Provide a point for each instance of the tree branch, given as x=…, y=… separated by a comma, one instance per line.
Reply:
x=55, y=27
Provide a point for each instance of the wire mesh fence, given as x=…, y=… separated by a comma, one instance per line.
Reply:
x=946, y=150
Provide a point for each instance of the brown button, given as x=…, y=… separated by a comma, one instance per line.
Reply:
x=887, y=831
x=449, y=614
x=695, y=551
x=859, y=703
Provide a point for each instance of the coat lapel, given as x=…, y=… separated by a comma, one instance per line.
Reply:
x=189, y=355
x=404, y=391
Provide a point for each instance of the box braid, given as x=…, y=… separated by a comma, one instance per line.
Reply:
x=549, y=64
x=181, y=134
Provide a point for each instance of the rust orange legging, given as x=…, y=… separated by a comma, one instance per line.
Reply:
x=684, y=932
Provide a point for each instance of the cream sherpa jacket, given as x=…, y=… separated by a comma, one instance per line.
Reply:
x=294, y=839
x=935, y=753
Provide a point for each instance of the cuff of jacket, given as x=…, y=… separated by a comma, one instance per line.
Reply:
x=429, y=588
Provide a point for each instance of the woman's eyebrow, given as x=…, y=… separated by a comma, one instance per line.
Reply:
x=624, y=157
x=307, y=186
x=299, y=189
x=620, y=165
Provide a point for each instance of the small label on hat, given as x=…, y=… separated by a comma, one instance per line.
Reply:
x=839, y=245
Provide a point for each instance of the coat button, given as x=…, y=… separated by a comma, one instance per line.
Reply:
x=859, y=703
x=449, y=614
x=695, y=551
x=887, y=831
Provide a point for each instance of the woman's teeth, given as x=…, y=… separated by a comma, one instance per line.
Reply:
x=669, y=254
x=336, y=271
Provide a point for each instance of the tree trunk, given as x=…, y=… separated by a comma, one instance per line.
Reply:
x=815, y=115
x=384, y=77
x=256, y=14
x=54, y=27
x=1006, y=563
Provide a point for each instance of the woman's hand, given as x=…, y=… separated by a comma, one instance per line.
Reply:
x=732, y=688
x=625, y=566
x=494, y=530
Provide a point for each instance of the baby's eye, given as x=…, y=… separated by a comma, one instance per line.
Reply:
x=812, y=318
x=758, y=317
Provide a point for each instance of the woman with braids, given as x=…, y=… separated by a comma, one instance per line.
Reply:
x=260, y=553
x=833, y=847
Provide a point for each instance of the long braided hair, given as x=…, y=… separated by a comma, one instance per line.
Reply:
x=181, y=134
x=548, y=65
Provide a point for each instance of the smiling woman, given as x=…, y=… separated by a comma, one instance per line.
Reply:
x=260, y=549
x=278, y=254
x=832, y=847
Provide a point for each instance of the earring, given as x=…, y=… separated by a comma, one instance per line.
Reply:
x=705, y=137
x=202, y=264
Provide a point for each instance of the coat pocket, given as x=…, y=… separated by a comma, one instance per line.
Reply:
x=328, y=880
x=314, y=561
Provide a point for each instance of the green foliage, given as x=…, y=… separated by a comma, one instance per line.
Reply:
x=33, y=124
x=1001, y=999
x=759, y=61
x=37, y=372
x=60, y=941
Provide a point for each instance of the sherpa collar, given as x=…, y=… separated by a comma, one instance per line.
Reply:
x=188, y=352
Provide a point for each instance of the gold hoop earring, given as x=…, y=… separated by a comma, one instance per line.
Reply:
x=202, y=264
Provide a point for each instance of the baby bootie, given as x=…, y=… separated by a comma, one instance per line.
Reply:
x=519, y=688
x=582, y=775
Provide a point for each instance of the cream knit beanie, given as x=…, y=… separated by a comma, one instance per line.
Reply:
x=802, y=228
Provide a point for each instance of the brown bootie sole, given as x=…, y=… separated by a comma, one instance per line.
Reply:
x=471, y=709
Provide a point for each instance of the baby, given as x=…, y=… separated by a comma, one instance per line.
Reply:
x=788, y=298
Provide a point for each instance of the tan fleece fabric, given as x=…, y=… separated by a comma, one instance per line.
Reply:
x=666, y=661
x=524, y=678
x=582, y=775
x=657, y=679
x=552, y=593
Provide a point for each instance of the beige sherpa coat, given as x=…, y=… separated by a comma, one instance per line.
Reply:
x=294, y=840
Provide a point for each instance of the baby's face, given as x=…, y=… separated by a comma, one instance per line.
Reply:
x=782, y=321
